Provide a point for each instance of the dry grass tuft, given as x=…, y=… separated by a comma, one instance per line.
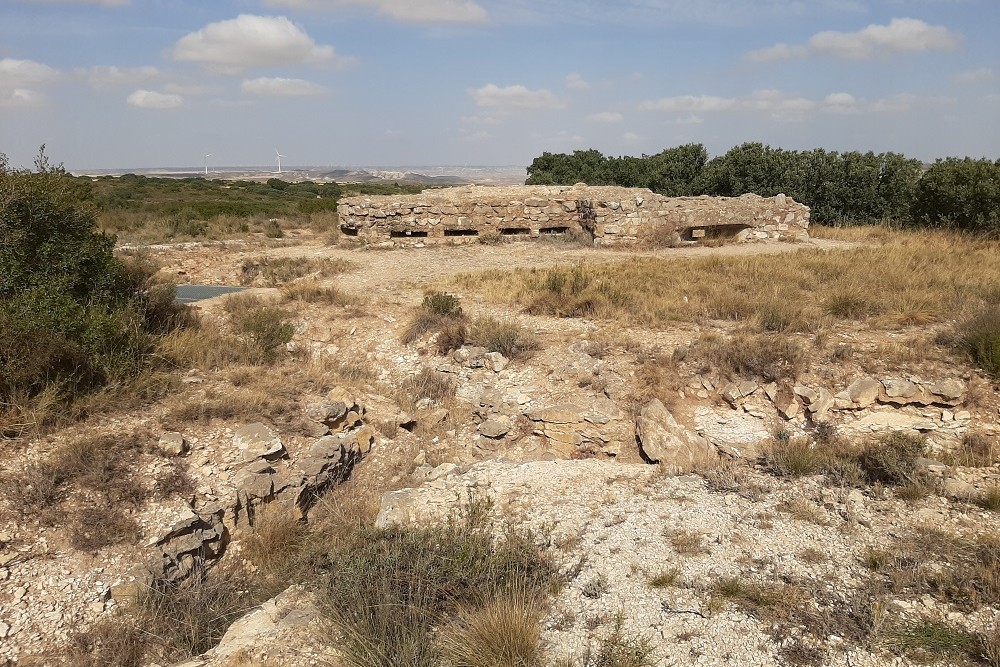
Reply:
x=310, y=291
x=427, y=384
x=504, y=632
x=504, y=336
x=99, y=473
x=275, y=271
x=979, y=338
x=688, y=542
x=768, y=357
x=665, y=578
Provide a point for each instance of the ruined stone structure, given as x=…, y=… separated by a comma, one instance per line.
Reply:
x=609, y=214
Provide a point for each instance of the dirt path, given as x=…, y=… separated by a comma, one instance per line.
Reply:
x=387, y=272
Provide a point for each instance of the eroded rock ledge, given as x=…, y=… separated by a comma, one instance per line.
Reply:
x=609, y=214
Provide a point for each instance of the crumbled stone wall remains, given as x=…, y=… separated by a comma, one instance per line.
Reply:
x=609, y=214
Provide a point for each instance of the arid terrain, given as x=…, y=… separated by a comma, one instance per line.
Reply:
x=747, y=454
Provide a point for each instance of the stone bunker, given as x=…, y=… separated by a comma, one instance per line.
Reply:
x=608, y=214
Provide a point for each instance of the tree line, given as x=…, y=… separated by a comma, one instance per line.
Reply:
x=841, y=188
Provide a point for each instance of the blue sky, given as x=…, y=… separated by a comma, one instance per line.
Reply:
x=143, y=83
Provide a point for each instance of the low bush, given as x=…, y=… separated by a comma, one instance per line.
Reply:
x=767, y=357
x=263, y=329
x=979, y=338
x=442, y=313
x=73, y=317
x=504, y=336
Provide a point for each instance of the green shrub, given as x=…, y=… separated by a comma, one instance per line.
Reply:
x=442, y=304
x=72, y=316
x=960, y=194
x=264, y=329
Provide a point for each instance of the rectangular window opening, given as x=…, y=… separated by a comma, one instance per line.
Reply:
x=515, y=231
x=407, y=234
x=461, y=232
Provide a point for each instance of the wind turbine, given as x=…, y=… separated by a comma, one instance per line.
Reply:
x=207, y=155
x=279, y=159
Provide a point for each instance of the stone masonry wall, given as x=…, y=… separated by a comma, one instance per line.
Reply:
x=609, y=214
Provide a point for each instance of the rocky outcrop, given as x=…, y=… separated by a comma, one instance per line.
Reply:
x=861, y=394
x=664, y=441
x=579, y=429
x=192, y=541
x=609, y=214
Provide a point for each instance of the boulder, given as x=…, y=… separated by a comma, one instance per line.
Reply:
x=822, y=404
x=662, y=440
x=948, y=391
x=172, y=444
x=495, y=361
x=864, y=392
x=785, y=402
x=258, y=441
x=493, y=429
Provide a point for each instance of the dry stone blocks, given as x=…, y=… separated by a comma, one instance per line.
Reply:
x=609, y=214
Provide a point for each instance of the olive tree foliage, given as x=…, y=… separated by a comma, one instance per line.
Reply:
x=841, y=188
x=961, y=194
x=72, y=316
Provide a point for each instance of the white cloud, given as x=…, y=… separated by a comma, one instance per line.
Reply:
x=631, y=137
x=774, y=102
x=899, y=36
x=190, y=89
x=108, y=77
x=407, y=11
x=606, y=117
x=250, y=41
x=841, y=103
x=148, y=99
x=25, y=73
x=689, y=120
x=779, y=51
x=575, y=81
x=982, y=75
x=515, y=98
x=19, y=97
x=690, y=103
x=276, y=87
x=904, y=102
x=18, y=78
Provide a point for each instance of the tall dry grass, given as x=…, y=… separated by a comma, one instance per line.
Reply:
x=912, y=278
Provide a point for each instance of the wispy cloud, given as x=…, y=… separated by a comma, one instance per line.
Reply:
x=606, y=117
x=575, y=81
x=249, y=41
x=903, y=35
x=408, y=11
x=149, y=99
x=515, y=98
x=278, y=87
x=111, y=76
x=982, y=75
